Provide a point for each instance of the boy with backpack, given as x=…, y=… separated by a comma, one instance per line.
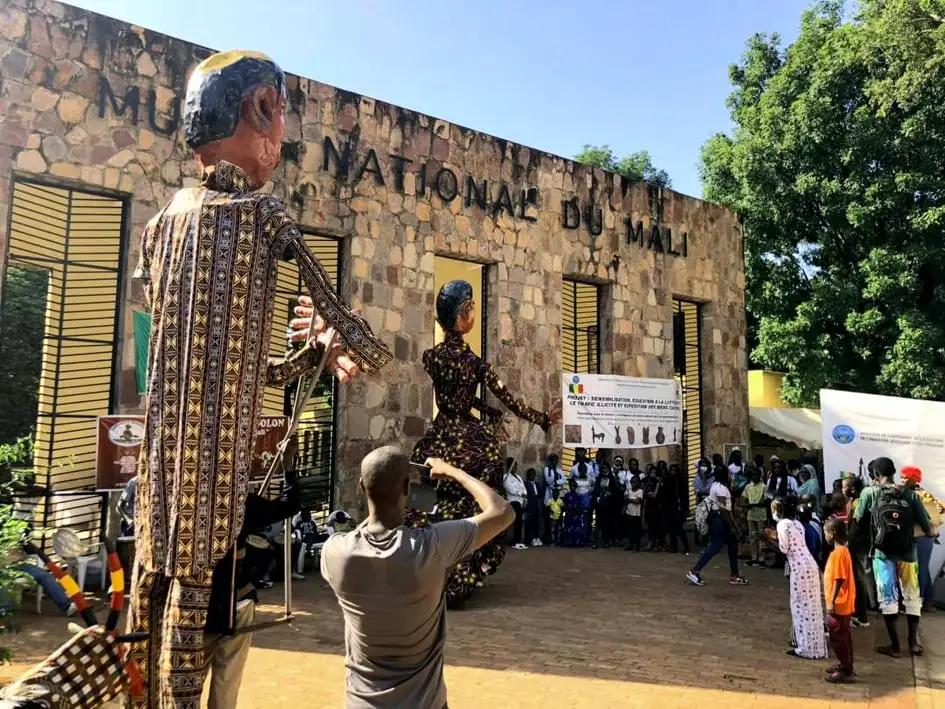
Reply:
x=892, y=512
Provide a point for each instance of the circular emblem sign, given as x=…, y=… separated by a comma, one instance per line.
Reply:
x=843, y=434
x=127, y=434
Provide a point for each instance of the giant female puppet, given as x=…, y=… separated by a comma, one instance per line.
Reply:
x=461, y=439
x=208, y=268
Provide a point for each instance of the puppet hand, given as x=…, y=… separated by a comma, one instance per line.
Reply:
x=555, y=413
x=303, y=328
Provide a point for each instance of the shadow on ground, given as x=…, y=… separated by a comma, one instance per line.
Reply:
x=603, y=615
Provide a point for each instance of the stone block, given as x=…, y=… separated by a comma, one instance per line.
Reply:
x=54, y=148
x=72, y=108
x=146, y=66
x=43, y=99
x=121, y=158
x=31, y=161
x=66, y=169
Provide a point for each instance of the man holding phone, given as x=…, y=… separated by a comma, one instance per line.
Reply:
x=390, y=580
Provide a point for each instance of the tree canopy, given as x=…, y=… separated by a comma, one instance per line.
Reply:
x=836, y=163
x=636, y=166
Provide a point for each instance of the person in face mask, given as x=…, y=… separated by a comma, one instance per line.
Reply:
x=703, y=480
x=701, y=484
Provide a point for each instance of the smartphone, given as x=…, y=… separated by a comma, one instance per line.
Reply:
x=425, y=478
x=422, y=489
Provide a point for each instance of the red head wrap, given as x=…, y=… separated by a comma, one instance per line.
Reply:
x=911, y=472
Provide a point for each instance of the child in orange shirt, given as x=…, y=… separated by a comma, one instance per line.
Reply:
x=840, y=594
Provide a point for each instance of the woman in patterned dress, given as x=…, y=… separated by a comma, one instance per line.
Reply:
x=462, y=439
x=807, y=613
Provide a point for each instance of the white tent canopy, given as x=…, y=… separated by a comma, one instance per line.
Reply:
x=799, y=426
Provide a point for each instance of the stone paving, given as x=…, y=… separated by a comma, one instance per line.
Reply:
x=583, y=628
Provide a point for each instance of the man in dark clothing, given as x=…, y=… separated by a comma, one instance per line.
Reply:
x=235, y=608
x=671, y=505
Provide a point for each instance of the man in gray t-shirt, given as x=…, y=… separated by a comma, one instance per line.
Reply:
x=389, y=580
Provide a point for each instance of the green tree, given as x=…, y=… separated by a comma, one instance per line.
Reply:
x=22, y=324
x=636, y=166
x=836, y=163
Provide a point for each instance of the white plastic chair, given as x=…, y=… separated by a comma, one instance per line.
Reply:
x=98, y=562
x=70, y=546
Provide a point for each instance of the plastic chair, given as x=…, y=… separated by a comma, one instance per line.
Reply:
x=98, y=561
x=70, y=546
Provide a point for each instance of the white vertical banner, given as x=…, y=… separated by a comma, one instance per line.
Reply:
x=607, y=411
x=857, y=428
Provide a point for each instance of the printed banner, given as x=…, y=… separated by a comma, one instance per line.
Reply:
x=270, y=430
x=606, y=411
x=117, y=447
x=857, y=428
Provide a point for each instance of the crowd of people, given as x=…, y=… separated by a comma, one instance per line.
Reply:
x=865, y=546
x=599, y=503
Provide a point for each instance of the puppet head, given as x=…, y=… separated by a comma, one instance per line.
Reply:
x=454, y=309
x=234, y=111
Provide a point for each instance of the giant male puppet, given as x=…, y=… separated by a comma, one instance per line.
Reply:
x=208, y=267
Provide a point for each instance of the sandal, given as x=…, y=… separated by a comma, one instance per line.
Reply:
x=840, y=678
x=738, y=581
x=917, y=650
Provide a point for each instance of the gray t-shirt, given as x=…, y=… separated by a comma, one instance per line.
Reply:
x=390, y=590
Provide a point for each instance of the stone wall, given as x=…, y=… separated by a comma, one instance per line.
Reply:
x=53, y=58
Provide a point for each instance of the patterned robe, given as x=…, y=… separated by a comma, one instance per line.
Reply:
x=208, y=266
x=463, y=440
x=807, y=613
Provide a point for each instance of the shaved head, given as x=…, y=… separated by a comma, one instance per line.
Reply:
x=384, y=475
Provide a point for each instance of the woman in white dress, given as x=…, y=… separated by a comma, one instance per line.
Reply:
x=807, y=613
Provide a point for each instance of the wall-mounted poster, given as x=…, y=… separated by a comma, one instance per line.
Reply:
x=270, y=430
x=117, y=447
x=606, y=411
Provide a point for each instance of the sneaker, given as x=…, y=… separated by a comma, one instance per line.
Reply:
x=738, y=581
x=535, y=543
x=695, y=579
x=72, y=610
x=296, y=576
x=859, y=623
x=520, y=546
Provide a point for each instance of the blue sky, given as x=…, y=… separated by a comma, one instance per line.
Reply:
x=550, y=74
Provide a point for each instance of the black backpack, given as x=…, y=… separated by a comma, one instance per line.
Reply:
x=893, y=522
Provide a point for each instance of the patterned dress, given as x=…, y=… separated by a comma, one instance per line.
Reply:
x=208, y=267
x=575, y=532
x=466, y=442
x=807, y=614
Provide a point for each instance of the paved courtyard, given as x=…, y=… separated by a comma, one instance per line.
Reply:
x=583, y=628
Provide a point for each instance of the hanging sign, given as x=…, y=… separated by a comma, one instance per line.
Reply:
x=606, y=411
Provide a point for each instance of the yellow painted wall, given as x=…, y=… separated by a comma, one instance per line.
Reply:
x=764, y=389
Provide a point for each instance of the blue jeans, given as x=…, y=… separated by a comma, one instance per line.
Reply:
x=719, y=536
x=924, y=547
x=49, y=584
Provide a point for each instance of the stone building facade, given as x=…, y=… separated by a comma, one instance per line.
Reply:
x=91, y=101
